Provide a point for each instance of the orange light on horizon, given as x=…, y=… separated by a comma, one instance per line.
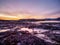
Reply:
x=18, y=16
x=8, y=17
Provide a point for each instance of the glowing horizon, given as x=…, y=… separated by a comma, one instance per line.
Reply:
x=17, y=17
x=26, y=9
x=8, y=17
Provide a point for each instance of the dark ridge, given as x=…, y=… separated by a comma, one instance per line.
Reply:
x=33, y=20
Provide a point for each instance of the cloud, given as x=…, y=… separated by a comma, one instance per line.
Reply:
x=54, y=13
x=28, y=15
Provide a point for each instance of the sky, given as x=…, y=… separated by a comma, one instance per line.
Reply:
x=20, y=9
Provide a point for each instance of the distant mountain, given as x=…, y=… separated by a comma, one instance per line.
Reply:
x=47, y=19
x=31, y=20
x=53, y=19
x=58, y=18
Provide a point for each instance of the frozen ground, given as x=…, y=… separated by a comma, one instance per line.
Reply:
x=51, y=36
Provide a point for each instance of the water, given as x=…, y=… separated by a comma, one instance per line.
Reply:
x=46, y=22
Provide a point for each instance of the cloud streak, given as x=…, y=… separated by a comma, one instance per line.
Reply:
x=30, y=8
x=54, y=13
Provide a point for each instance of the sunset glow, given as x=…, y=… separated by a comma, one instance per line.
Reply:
x=26, y=9
x=8, y=17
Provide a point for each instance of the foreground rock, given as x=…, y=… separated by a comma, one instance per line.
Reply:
x=21, y=38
